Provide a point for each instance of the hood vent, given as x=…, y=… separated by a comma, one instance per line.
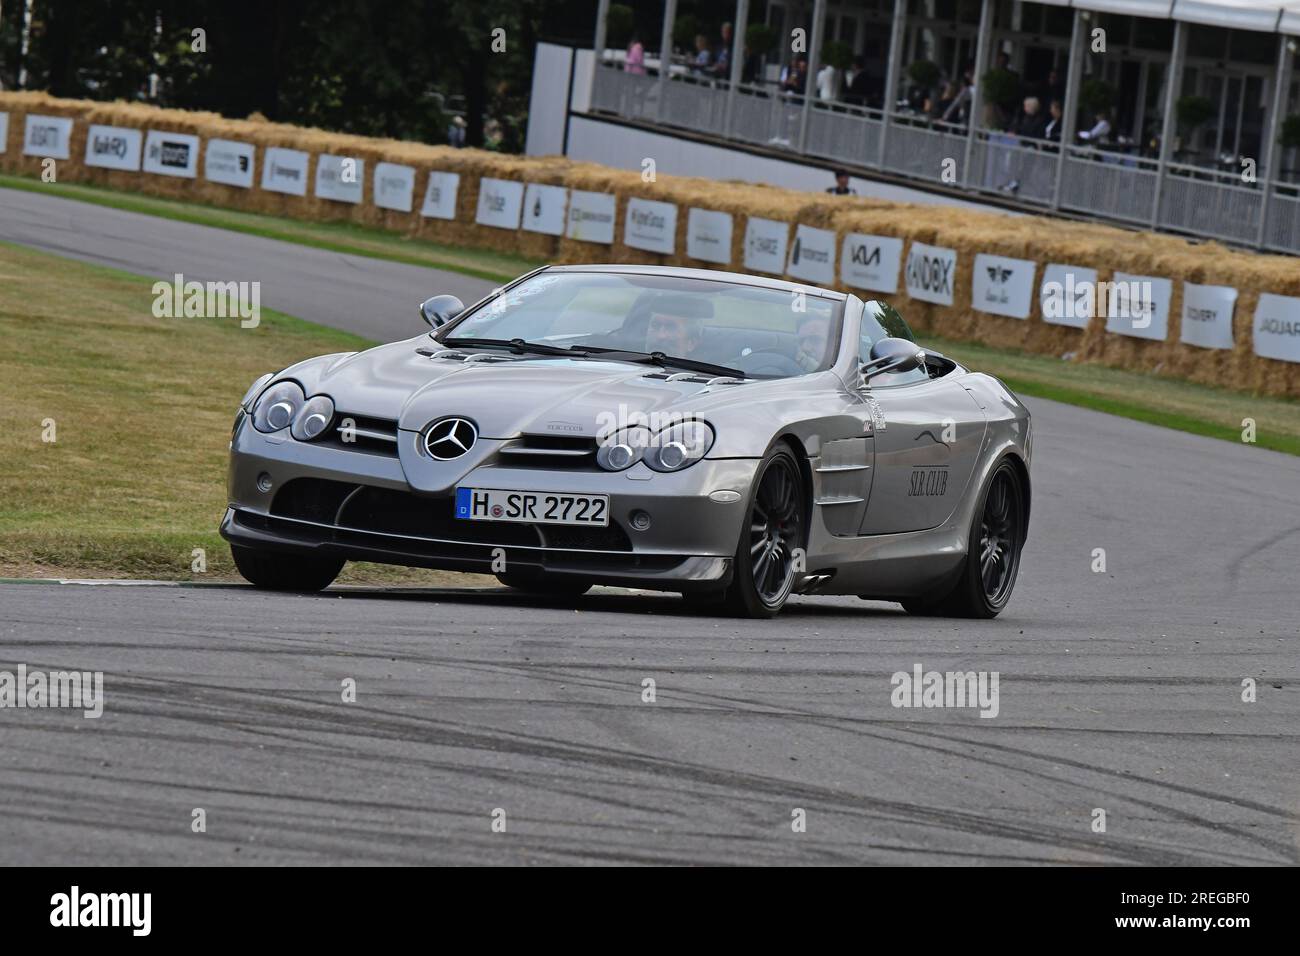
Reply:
x=466, y=357
x=697, y=378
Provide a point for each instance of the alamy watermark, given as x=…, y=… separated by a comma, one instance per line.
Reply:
x=948, y=689
x=64, y=689
x=208, y=300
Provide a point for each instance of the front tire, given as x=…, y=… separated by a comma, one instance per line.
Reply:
x=775, y=529
x=278, y=571
x=988, y=574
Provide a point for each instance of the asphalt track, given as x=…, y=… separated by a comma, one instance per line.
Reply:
x=1119, y=691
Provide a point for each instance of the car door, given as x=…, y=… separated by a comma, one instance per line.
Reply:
x=927, y=437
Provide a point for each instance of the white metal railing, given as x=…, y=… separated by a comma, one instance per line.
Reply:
x=1097, y=182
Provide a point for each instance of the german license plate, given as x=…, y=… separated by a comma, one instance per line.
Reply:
x=534, y=507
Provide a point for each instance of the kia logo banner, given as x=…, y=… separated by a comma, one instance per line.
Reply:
x=1068, y=295
x=113, y=147
x=500, y=203
x=1277, y=327
x=171, y=154
x=1003, y=286
x=708, y=235
x=765, y=245
x=651, y=226
x=1207, y=315
x=394, y=186
x=226, y=161
x=591, y=217
x=871, y=262
x=440, y=196
x=47, y=136
x=931, y=273
x=544, y=208
x=812, y=257
x=285, y=171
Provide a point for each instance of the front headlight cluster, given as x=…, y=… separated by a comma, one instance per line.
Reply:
x=284, y=405
x=671, y=449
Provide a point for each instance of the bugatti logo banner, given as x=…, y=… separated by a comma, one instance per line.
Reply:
x=394, y=186
x=113, y=147
x=1207, y=315
x=651, y=226
x=1003, y=286
x=871, y=262
x=812, y=257
x=285, y=171
x=440, y=196
x=229, y=162
x=47, y=136
x=708, y=235
x=931, y=273
x=171, y=154
x=544, y=208
x=591, y=216
x=765, y=244
x=500, y=203
x=1277, y=327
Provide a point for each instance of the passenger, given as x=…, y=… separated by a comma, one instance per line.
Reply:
x=814, y=335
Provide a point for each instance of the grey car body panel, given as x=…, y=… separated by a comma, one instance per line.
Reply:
x=894, y=473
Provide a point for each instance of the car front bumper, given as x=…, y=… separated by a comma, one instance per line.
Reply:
x=359, y=506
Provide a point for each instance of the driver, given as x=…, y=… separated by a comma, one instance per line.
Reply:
x=813, y=335
x=676, y=325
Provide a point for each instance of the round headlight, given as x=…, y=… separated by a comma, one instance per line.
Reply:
x=679, y=446
x=621, y=451
x=278, y=407
x=314, y=418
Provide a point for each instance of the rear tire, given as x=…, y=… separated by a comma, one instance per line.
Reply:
x=279, y=571
x=763, y=575
x=546, y=585
x=988, y=573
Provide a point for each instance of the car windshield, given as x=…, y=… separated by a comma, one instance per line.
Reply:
x=766, y=333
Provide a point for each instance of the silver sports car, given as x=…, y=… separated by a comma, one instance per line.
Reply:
x=734, y=438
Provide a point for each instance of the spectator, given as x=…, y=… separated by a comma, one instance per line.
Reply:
x=1052, y=131
x=947, y=96
x=703, y=55
x=635, y=62
x=841, y=187
x=751, y=68
x=828, y=82
x=959, y=108
x=794, y=78
x=1030, y=124
x=1100, y=132
x=860, y=87
x=722, y=54
x=456, y=132
x=1053, y=89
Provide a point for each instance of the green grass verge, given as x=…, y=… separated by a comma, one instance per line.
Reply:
x=333, y=236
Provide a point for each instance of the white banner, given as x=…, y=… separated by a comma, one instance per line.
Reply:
x=651, y=226
x=1277, y=327
x=47, y=136
x=229, y=162
x=708, y=235
x=1136, y=305
x=765, y=245
x=871, y=262
x=1068, y=295
x=812, y=257
x=113, y=147
x=394, y=186
x=544, y=208
x=285, y=171
x=171, y=154
x=1207, y=315
x=1003, y=286
x=4, y=132
x=500, y=201
x=931, y=273
x=440, y=196
x=591, y=216
x=340, y=178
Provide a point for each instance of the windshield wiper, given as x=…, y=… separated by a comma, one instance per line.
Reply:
x=662, y=360
x=518, y=346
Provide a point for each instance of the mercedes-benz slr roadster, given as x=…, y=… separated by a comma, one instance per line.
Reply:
x=733, y=438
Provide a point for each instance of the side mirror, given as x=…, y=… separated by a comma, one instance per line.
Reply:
x=441, y=309
x=893, y=355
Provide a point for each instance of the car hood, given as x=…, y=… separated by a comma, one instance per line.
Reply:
x=506, y=395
